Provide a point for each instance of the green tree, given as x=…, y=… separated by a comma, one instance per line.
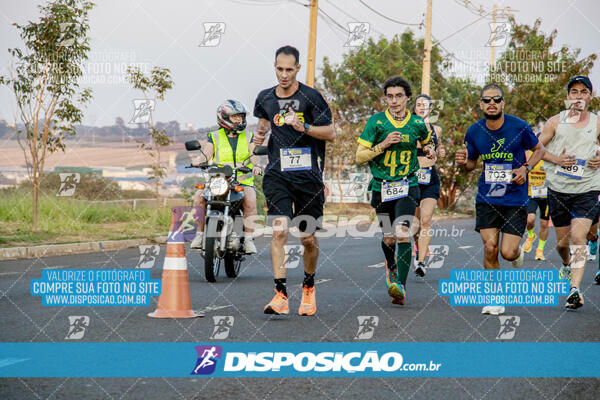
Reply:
x=153, y=86
x=43, y=79
x=354, y=91
x=536, y=72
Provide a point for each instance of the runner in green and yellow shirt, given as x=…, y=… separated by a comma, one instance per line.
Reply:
x=389, y=144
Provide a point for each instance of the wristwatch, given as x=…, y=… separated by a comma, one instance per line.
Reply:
x=526, y=165
x=306, y=127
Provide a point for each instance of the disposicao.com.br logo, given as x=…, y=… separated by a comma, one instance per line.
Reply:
x=324, y=362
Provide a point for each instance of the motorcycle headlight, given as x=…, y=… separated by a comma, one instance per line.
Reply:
x=218, y=186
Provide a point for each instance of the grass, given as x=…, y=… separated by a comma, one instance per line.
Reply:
x=64, y=220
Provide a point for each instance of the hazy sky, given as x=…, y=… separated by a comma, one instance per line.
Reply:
x=169, y=34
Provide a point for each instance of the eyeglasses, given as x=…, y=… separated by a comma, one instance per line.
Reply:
x=488, y=99
x=392, y=96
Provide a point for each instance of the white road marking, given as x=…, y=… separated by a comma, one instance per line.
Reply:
x=210, y=308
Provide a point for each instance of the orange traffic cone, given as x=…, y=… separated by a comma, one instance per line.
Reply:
x=174, y=300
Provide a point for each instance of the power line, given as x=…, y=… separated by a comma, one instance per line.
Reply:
x=460, y=30
x=333, y=25
x=473, y=8
x=449, y=53
x=420, y=24
x=332, y=20
x=415, y=59
x=353, y=18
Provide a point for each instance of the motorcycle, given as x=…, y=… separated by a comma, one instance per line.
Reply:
x=223, y=239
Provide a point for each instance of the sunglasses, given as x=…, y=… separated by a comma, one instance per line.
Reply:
x=488, y=99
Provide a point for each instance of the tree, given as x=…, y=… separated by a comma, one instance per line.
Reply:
x=154, y=86
x=536, y=74
x=43, y=79
x=354, y=91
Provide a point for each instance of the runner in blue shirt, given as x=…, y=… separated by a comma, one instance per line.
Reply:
x=501, y=204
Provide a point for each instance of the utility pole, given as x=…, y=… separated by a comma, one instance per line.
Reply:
x=506, y=11
x=425, y=77
x=312, y=43
x=493, y=38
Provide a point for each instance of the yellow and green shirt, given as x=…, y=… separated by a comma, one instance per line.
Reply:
x=398, y=161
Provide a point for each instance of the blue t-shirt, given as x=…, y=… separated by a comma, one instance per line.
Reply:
x=500, y=150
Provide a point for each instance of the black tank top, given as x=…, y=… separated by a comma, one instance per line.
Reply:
x=420, y=152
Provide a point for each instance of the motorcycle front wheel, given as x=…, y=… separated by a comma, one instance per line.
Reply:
x=232, y=266
x=211, y=262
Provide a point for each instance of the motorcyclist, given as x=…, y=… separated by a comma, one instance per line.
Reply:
x=231, y=145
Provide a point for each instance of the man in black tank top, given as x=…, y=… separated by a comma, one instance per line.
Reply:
x=573, y=181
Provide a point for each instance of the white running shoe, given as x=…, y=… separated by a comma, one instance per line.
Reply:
x=197, y=242
x=493, y=310
x=519, y=261
x=249, y=247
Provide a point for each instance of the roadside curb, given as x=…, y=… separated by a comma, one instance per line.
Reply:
x=50, y=250
x=14, y=253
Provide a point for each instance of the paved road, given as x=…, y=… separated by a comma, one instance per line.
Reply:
x=350, y=284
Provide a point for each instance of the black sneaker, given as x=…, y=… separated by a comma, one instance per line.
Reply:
x=420, y=269
x=574, y=299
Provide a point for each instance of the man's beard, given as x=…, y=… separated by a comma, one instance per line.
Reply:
x=492, y=117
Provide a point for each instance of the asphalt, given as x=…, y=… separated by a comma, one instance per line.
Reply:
x=350, y=283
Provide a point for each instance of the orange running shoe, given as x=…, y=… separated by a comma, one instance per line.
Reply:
x=529, y=243
x=539, y=255
x=309, y=302
x=279, y=305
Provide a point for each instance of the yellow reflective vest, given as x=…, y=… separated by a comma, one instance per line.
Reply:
x=223, y=153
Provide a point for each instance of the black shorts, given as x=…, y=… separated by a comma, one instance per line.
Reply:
x=388, y=211
x=432, y=189
x=567, y=206
x=542, y=204
x=293, y=200
x=508, y=219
